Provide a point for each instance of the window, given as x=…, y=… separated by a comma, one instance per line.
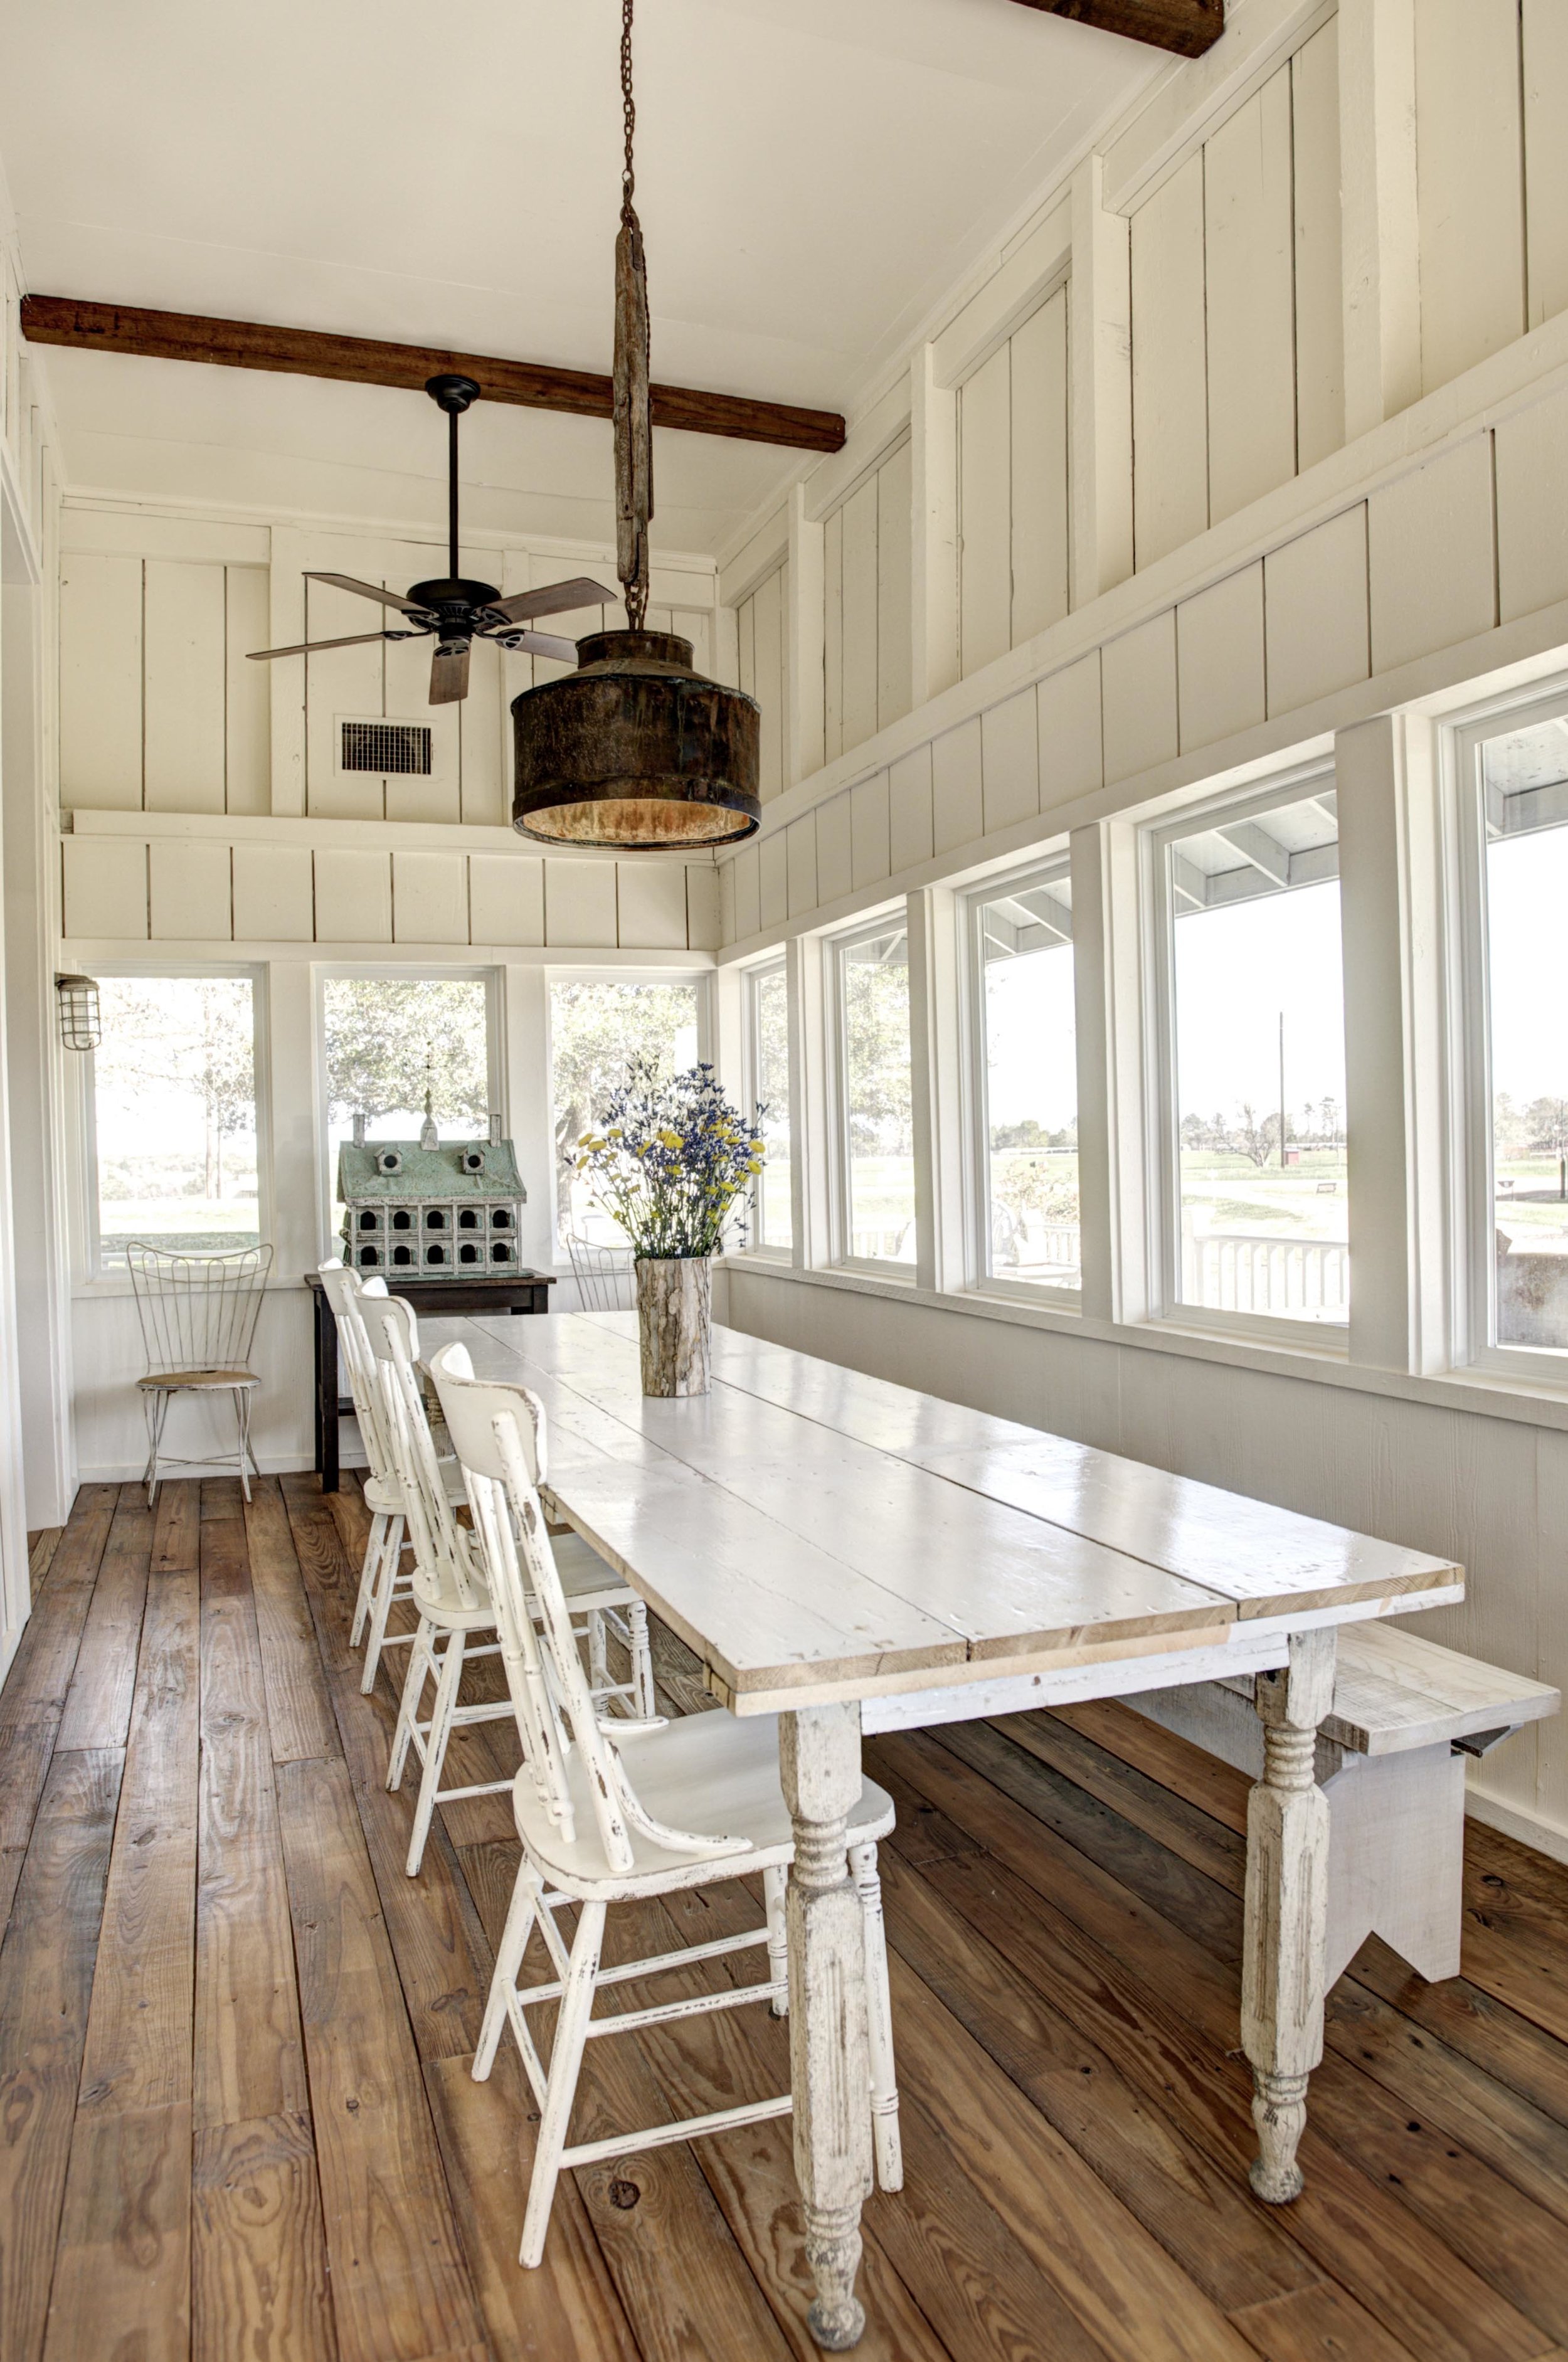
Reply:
x=877, y=1221
x=1026, y=1080
x=597, y=1026
x=387, y=1040
x=1253, y=1027
x=1520, y=776
x=768, y=994
x=174, y=1115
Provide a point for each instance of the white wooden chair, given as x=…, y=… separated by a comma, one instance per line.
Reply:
x=382, y=1580
x=605, y=1812
x=450, y=1592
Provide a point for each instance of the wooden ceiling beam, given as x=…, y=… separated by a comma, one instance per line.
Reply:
x=364, y=360
x=1186, y=26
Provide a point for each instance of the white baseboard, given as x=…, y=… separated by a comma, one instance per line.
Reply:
x=1548, y=1837
x=273, y=1463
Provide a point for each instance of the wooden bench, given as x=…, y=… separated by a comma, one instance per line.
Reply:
x=1391, y=1762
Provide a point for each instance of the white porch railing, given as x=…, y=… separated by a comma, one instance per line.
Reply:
x=1249, y=1274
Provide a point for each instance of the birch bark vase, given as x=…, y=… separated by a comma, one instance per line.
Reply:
x=675, y=1303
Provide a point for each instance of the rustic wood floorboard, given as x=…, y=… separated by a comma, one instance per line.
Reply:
x=236, y=2117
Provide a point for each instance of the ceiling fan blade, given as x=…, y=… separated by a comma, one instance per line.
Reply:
x=449, y=675
x=555, y=599
x=309, y=647
x=366, y=591
x=543, y=643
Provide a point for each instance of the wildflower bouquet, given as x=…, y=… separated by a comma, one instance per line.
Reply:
x=669, y=1160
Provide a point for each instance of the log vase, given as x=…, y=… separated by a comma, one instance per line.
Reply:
x=675, y=1301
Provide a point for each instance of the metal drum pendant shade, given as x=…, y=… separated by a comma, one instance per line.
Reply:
x=635, y=750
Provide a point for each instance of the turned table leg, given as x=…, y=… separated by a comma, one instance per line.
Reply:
x=1286, y=1914
x=819, y=1765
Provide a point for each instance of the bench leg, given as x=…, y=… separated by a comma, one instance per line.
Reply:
x=1396, y=1858
x=1287, y=1910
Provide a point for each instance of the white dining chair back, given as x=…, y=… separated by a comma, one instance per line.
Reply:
x=444, y=1564
x=497, y=1439
x=383, y=1581
x=448, y=1589
x=591, y=1836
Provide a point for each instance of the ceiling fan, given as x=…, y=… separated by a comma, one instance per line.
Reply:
x=455, y=611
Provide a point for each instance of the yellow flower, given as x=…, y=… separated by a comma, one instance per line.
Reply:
x=614, y=1132
x=757, y=1147
x=753, y=1168
x=671, y=1138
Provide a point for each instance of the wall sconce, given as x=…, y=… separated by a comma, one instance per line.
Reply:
x=81, y=1027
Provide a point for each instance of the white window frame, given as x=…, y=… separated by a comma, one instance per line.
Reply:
x=891, y=920
x=973, y=1110
x=752, y=979
x=1162, y=1110
x=401, y=972
x=1474, y=1290
x=88, y=1275
x=702, y=978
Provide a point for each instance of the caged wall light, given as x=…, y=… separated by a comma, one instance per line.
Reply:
x=81, y=1026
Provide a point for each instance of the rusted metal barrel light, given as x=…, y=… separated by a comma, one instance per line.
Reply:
x=634, y=749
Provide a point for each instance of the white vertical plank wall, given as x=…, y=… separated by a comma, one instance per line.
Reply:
x=1470, y=182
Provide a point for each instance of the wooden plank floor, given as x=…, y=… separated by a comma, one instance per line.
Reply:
x=236, y=2119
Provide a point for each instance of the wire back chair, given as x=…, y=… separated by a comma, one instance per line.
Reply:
x=606, y=1276
x=198, y=1314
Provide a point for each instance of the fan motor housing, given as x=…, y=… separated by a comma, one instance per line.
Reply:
x=459, y=593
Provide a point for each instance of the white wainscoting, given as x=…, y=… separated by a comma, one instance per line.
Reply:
x=1490, y=1491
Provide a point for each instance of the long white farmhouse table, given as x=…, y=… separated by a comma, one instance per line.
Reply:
x=856, y=1556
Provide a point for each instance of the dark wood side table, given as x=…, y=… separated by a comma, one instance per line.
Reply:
x=514, y=1291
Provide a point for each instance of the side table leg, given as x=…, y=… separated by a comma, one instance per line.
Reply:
x=326, y=1385
x=1287, y=1910
x=819, y=1767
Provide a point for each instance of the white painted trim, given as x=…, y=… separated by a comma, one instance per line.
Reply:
x=1547, y=1836
x=1479, y=1392
x=1530, y=371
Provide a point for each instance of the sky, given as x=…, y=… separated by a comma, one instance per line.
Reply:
x=1032, y=1068
x=1527, y=881
x=1238, y=969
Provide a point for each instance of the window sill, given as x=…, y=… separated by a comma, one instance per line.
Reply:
x=1488, y=1394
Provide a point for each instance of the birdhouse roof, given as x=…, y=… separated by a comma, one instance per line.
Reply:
x=427, y=1172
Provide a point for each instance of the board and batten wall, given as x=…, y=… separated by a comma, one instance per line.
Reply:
x=161, y=709
x=1216, y=253
x=1296, y=558
x=206, y=821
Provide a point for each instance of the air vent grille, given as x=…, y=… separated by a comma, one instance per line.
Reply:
x=394, y=748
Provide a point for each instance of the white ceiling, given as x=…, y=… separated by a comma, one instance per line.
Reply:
x=812, y=174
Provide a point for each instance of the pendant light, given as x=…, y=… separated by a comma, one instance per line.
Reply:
x=634, y=750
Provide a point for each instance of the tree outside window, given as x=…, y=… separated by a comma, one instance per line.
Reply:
x=597, y=1026
x=174, y=1114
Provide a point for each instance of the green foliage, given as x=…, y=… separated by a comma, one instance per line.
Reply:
x=597, y=1028
x=194, y=1034
x=877, y=1045
x=382, y=1031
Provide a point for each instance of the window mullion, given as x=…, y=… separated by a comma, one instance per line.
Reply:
x=935, y=1053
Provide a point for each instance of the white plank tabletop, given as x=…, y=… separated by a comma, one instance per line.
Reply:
x=805, y=1528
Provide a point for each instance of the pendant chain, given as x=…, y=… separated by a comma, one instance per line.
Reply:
x=629, y=113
